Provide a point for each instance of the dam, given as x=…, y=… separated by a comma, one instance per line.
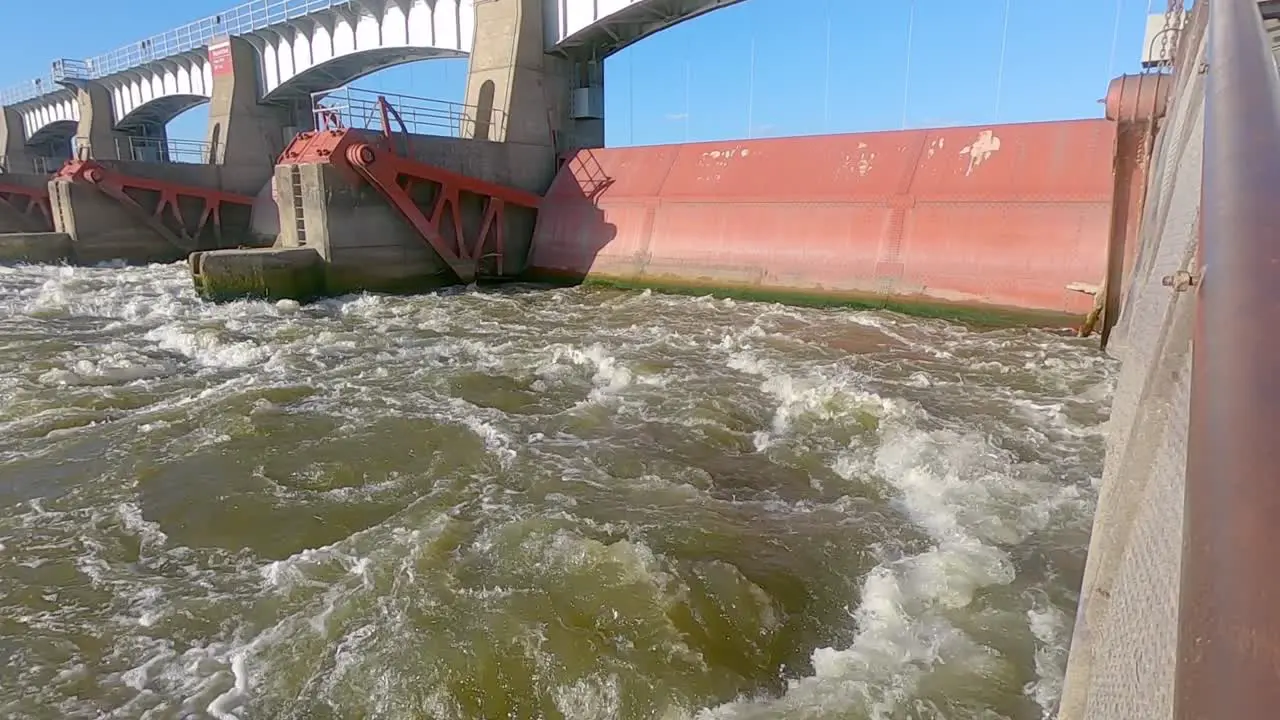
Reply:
x=355, y=418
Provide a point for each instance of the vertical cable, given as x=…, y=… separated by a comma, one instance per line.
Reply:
x=631, y=97
x=686, y=99
x=751, y=92
x=906, y=78
x=826, y=81
x=1004, y=44
x=1115, y=40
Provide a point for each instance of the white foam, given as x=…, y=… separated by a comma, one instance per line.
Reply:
x=964, y=495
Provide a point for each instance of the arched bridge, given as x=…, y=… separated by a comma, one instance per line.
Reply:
x=305, y=46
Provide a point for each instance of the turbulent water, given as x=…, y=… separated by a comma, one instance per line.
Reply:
x=531, y=504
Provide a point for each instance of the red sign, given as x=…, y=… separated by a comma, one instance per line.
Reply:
x=220, y=58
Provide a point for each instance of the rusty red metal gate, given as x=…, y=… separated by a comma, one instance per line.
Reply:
x=1003, y=216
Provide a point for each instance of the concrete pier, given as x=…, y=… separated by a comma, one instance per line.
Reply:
x=243, y=132
x=96, y=133
x=36, y=248
x=18, y=156
x=541, y=104
x=296, y=273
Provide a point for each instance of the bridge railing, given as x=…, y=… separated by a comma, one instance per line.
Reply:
x=1229, y=599
x=239, y=20
x=39, y=165
x=46, y=165
x=29, y=90
x=68, y=69
x=143, y=149
x=371, y=110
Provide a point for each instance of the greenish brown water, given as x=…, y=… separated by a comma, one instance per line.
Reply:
x=531, y=504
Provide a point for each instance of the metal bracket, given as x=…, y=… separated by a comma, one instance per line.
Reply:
x=1180, y=281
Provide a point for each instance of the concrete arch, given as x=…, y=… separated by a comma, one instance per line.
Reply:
x=54, y=133
x=329, y=48
x=159, y=111
x=599, y=28
x=349, y=68
x=159, y=91
x=47, y=119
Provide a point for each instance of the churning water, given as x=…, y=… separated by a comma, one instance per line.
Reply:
x=531, y=504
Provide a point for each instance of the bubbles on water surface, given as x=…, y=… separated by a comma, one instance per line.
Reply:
x=531, y=503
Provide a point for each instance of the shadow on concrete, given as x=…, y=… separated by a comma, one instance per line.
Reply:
x=24, y=203
x=14, y=221
x=484, y=111
x=571, y=229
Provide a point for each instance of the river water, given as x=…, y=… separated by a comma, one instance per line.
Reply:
x=531, y=503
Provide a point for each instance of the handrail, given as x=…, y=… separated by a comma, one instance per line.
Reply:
x=144, y=149
x=353, y=107
x=1228, y=662
x=239, y=20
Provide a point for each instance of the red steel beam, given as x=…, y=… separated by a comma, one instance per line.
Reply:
x=392, y=175
x=1228, y=662
x=366, y=157
x=179, y=233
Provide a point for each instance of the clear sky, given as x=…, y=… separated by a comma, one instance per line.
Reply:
x=698, y=81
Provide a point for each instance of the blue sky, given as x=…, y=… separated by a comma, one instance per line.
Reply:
x=697, y=81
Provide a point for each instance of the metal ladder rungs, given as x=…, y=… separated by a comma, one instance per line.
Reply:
x=295, y=181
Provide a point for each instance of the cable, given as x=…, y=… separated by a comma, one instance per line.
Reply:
x=1004, y=43
x=906, y=78
x=1115, y=39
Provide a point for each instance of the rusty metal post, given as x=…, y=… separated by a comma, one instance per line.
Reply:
x=1136, y=103
x=1228, y=663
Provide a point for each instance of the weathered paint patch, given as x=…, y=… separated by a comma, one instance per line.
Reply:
x=716, y=161
x=980, y=149
x=859, y=162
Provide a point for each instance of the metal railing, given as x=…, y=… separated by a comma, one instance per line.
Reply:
x=39, y=164
x=370, y=110
x=144, y=149
x=1229, y=599
x=141, y=149
x=67, y=69
x=239, y=20
x=47, y=165
x=29, y=90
